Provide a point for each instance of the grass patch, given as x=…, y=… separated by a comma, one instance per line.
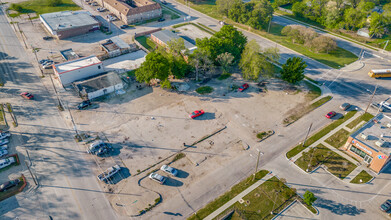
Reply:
x=206, y=27
x=336, y=164
x=365, y=117
x=146, y=42
x=363, y=176
x=263, y=134
x=266, y=201
x=13, y=191
x=180, y=25
x=294, y=151
x=204, y=90
x=305, y=109
x=224, y=76
x=178, y=157
x=2, y=121
x=338, y=139
x=314, y=91
x=42, y=7
x=312, y=80
x=203, y=29
x=170, y=13
x=234, y=191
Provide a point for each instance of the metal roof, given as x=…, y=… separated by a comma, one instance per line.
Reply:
x=76, y=64
x=98, y=82
x=167, y=35
x=64, y=20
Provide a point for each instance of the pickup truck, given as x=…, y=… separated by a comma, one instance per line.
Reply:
x=110, y=172
x=386, y=105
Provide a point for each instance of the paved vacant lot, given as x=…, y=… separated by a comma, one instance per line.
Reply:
x=148, y=125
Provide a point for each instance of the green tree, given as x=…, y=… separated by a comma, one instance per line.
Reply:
x=200, y=61
x=223, y=6
x=377, y=25
x=225, y=60
x=16, y=7
x=300, y=9
x=354, y=3
x=176, y=46
x=293, y=70
x=54, y=3
x=309, y=198
x=155, y=66
x=323, y=44
x=178, y=66
x=354, y=19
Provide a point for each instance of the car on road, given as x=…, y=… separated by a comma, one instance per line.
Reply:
x=386, y=206
x=27, y=95
x=84, y=104
x=243, y=87
x=158, y=178
x=161, y=19
x=345, y=106
x=3, y=152
x=6, y=162
x=8, y=185
x=330, y=114
x=4, y=135
x=124, y=26
x=109, y=173
x=47, y=38
x=196, y=113
x=4, y=141
x=169, y=170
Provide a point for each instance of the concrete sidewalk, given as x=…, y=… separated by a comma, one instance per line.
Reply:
x=238, y=197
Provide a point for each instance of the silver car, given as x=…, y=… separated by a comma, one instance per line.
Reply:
x=169, y=170
x=158, y=178
x=3, y=152
x=4, y=135
x=4, y=141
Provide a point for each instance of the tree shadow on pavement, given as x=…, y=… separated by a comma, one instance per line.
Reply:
x=338, y=208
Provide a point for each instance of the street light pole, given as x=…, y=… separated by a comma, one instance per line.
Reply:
x=370, y=101
x=305, y=139
x=256, y=167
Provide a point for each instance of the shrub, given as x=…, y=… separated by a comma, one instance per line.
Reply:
x=54, y=3
x=16, y=7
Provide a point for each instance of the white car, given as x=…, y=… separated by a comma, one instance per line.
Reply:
x=109, y=173
x=4, y=141
x=4, y=147
x=6, y=162
x=158, y=178
x=169, y=170
x=3, y=152
x=4, y=135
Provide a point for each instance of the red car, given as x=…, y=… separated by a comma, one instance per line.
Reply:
x=331, y=114
x=196, y=113
x=27, y=95
x=243, y=87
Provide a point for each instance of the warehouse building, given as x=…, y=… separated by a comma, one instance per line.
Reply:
x=132, y=11
x=371, y=143
x=66, y=24
x=78, y=69
x=98, y=86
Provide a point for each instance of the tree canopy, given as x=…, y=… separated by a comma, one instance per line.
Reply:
x=293, y=70
x=155, y=66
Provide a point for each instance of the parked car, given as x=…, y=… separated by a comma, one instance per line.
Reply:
x=163, y=2
x=158, y=178
x=94, y=146
x=47, y=38
x=84, y=104
x=124, y=26
x=196, y=113
x=4, y=141
x=169, y=170
x=3, y=152
x=345, y=106
x=6, y=162
x=101, y=9
x=44, y=61
x=377, y=106
x=161, y=19
x=243, y=87
x=104, y=149
x=27, y=95
x=4, y=147
x=48, y=66
x=110, y=172
x=94, y=4
x=386, y=206
x=8, y=185
x=4, y=135
x=331, y=114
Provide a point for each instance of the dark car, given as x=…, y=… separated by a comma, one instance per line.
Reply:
x=8, y=185
x=161, y=19
x=345, y=106
x=47, y=38
x=386, y=206
x=243, y=87
x=124, y=26
x=331, y=114
x=163, y=2
x=84, y=104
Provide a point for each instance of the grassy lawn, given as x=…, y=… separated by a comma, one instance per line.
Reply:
x=271, y=196
x=338, y=139
x=13, y=191
x=204, y=90
x=364, y=176
x=305, y=109
x=207, y=7
x=146, y=42
x=320, y=154
x=314, y=91
x=294, y=151
x=2, y=121
x=235, y=190
x=42, y=7
x=365, y=117
x=170, y=13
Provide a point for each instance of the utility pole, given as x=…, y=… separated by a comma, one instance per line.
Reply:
x=256, y=167
x=36, y=58
x=35, y=181
x=370, y=101
x=271, y=17
x=309, y=129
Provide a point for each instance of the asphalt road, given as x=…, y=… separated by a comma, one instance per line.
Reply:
x=67, y=187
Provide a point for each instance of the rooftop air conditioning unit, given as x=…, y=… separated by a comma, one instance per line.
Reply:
x=364, y=136
x=380, y=143
x=389, y=125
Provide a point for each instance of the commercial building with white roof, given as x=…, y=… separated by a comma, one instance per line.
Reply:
x=78, y=69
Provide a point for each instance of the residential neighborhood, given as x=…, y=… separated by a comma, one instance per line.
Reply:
x=195, y=109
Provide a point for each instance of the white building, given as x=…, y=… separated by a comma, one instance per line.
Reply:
x=99, y=85
x=78, y=69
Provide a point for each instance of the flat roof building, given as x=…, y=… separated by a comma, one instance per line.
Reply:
x=66, y=24
x=164, y=36
x=372, y=143
x=99, y=85
x=78, y=69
